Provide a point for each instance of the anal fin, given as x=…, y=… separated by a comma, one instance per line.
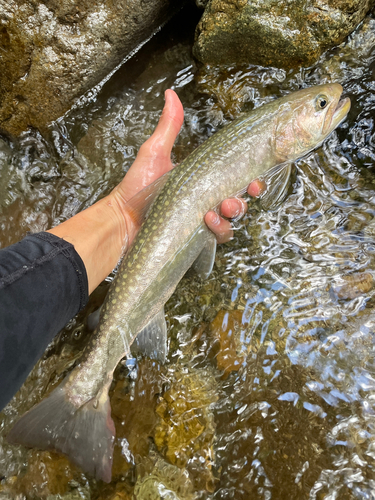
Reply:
x=152, y=340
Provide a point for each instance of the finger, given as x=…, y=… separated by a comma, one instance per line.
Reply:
x=220, y=227
x=154, y=156
x=256, y=188
x=233, y=208
x=160, y=144
x=171, y=119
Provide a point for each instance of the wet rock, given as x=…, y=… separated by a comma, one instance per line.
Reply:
x=240, y=87
x=55, y=51
x=352, y=58
x=224, y=331
x=48, y=474
x=352, y=286
x=201, y=4
x=269, y=33
x=162, y=481
x=186, y=429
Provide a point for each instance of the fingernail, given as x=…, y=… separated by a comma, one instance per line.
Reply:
x=235, y=207
x=215, y=219
x=257, y=187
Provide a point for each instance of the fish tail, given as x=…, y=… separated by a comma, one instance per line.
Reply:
x=85, y=434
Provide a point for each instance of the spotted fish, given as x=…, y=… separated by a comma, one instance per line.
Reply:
x=76, y=417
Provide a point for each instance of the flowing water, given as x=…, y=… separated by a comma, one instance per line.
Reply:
x=269, y=387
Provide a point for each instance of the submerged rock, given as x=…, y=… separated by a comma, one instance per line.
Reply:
x=133, y=411
x=281, y=34
x=186, y=430
x=224, y=331
x=48, y=475
x=162, y=481
x=352, y=286
x=52, y=52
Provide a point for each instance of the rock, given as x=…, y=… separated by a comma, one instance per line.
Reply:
x=353, y=58
x=52, y=52
x=225, y=331
x=186, y=430
x=240, y=87
x=201, y=4
x=47, y=474
x=113, y=491
x=352, y=286
x=133, y=412
x=281, y=34
x=162, y=481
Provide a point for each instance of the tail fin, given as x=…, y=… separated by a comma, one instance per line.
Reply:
x=85, y=434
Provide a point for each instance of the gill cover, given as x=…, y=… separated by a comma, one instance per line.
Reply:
x=306, y=119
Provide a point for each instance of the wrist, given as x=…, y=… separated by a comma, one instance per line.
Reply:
x=99, y=235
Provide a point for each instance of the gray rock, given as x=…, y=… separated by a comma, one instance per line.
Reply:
x=351, y=59
x=54, y=51
x=283, y=34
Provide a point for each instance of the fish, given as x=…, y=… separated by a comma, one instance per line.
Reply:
x=75, y=418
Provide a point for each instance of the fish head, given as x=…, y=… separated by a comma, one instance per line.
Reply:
x=306, y=118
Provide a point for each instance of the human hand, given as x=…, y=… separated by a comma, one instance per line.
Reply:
x=154, y=160
x=232, y=208
x=102, y=232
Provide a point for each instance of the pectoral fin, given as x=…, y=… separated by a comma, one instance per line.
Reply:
x=205, y=261
x=277, y=180
x=152, y=340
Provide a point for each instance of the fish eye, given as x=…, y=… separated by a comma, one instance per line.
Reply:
x=321, y=102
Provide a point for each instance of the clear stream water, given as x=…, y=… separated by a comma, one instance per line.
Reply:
x=269, y=388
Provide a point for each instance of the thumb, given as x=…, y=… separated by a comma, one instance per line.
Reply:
x=154, y=156
x=161, y=142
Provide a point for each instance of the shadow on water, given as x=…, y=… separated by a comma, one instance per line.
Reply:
x=268, y=390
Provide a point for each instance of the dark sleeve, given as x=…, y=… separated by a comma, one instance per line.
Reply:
x=43, y=284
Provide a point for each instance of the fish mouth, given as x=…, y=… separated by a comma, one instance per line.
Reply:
x=342, y=109
x=336, y=114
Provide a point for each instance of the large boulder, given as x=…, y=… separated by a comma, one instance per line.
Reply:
x=280, y=33
x=53, y=51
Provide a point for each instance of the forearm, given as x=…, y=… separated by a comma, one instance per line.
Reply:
x=100, y=235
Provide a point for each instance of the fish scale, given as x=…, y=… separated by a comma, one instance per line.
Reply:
x=76, y=417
